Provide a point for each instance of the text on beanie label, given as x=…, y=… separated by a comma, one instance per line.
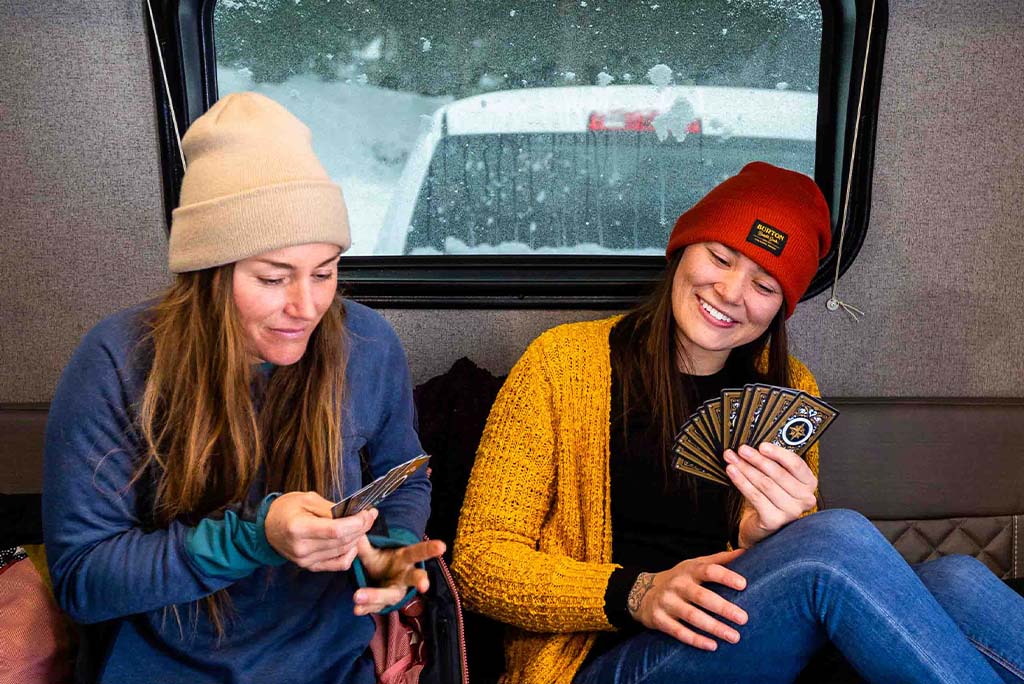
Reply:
x=766, y=237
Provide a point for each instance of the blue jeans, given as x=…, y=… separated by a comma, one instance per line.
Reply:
x=833, y=576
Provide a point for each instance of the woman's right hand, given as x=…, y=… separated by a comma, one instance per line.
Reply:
x=299, y=526
x=675, y=600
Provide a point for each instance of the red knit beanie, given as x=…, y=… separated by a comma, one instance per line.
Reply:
x=777, y=217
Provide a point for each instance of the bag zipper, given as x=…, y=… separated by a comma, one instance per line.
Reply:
x=458, y=618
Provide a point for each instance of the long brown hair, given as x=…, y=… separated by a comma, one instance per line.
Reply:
x=205, y=439
x=649, y=371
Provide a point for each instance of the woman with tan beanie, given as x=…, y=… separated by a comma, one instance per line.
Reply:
x=610, y=567
x=196, y=443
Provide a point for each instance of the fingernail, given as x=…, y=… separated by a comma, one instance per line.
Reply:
x=730, y=457
x=713, y=646
x=731, y=469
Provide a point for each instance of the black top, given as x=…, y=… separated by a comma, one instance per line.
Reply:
x=654, y=525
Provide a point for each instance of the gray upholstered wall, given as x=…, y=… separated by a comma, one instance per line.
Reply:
x=80, y=201
x=939, y=275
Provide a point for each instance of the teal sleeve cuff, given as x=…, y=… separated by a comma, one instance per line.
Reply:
x=232, y=548
x=397, y=538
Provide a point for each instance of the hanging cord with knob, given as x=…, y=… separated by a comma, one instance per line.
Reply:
x=834, y=303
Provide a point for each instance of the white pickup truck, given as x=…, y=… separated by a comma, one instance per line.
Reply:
x=597, y=169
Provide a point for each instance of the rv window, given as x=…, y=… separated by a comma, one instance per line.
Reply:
x=462, y=127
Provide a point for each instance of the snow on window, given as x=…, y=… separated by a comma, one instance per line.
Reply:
x=569, y=127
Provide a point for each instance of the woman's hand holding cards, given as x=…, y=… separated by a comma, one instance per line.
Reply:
x=393, y=571
x=299, y=526
x=778, y=487
x=670, y=600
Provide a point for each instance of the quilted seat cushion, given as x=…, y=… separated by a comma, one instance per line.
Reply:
x=994, y=540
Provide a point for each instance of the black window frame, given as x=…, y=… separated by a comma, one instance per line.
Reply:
x=185, y=30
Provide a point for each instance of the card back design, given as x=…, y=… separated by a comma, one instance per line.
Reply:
x=754, y=405
x=782, y=401
x=693, y=468
x=378, y=490
x=802, y=424
x=731, y=402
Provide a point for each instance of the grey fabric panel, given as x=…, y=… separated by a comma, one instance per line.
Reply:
x=992, y=540
x=83, y=234
x=21, y=450
x=924, y=460
x=80, y=200
x=939, y=274
x=493, y=339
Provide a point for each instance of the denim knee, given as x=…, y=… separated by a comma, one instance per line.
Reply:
x=841, y=532
x=955, y=570
x=843, y=525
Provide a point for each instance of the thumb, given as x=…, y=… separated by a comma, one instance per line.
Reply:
x=317, y=505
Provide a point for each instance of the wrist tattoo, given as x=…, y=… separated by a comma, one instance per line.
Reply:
x=643, y=584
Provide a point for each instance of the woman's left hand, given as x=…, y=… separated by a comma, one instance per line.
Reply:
x=778, y=487
x=393, y=571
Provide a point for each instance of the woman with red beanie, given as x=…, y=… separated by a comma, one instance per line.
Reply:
x=611, y=567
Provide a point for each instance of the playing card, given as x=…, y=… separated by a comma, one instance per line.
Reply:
x=377, y=490
x=801, y=424
x=686, y=465
x=703, y=421
x=691, y=444
x=731, y=401
x=751, y=415
x=766, y=410
x=372, y=494
x=737, y=428
x=781, y=398
x=714, y=416
x=755, y=399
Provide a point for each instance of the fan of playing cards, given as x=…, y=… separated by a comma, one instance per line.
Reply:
x=751, y=415
x=375, y=492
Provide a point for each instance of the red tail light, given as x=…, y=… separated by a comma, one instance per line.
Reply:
x=631, y=121
x=622, y=121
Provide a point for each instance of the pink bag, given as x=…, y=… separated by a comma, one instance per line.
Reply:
x=398, y=645
x=34, y=646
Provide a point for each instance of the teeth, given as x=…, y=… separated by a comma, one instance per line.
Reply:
x=715, y=313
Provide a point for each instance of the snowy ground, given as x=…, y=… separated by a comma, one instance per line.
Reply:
x=362, y=134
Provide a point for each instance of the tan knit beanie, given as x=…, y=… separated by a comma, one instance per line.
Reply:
x=253, y=185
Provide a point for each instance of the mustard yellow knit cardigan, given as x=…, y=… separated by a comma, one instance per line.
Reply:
x=534, y=542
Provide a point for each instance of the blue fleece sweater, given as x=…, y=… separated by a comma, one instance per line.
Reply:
x=112, y=574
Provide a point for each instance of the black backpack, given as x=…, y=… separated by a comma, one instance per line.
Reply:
x=444, y=629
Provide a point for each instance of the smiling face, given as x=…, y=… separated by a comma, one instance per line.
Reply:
x=721, y=300
x=281, y=297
